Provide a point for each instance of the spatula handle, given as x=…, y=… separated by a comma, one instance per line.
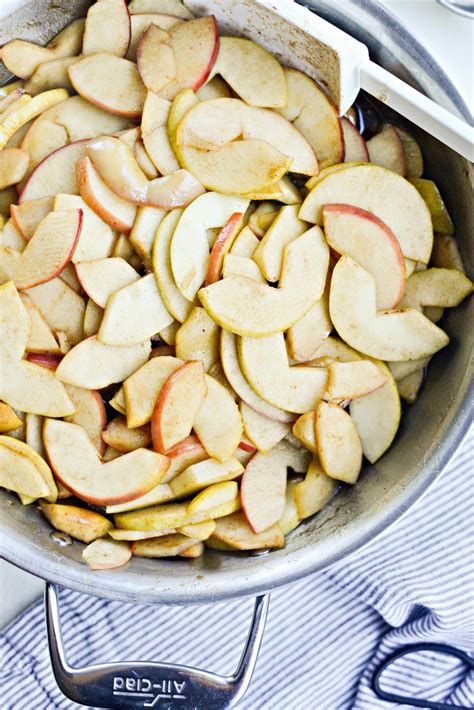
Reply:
x=412, y=104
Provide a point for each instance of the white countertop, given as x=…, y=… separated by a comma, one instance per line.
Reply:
x=450, y=39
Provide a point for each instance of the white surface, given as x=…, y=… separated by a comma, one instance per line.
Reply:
x=449, y=38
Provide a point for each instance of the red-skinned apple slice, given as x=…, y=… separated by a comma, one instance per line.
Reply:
x=62, y=308
x=185, y=453
x=263, y=432
x=156, y=59
x=100, y=278
x=141, y=389
x=47, y=253
x=218, y=423
x=117, y=213
x=386, y=149
x=97, y=239
x=107, y=554
x=134, y=313
x=90, y=414
x=366, y=239
x=28, y=215
x=55, y=174
x=387, y=195
x=195, y=45
x=177, y=405
x=117, y=481
x=45, y=360
x=141, y=22
x=93, y=365
x=80, y=523
x=221, y=246
x=252, y=72
x=390, y=335
x=198, y=339
x=339, y=446
x=109, y=82
x=122, y=439
x=355, y=147
x=107, y=28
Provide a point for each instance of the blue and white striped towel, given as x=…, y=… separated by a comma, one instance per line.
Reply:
x=324, y=635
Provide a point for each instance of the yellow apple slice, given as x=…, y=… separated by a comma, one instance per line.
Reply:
x=166, y=546
x=264, y=433
x=305, y=336
x=249, y=308
x=107, y=554
x=52, y=74
x=90, y=414
x=55, y=174
x=147, y=221
x=218, y=423
x=377, y=417
x=252, y=72
x=155, y=58
x=14, y=322
x=442, y=222
x=233, y=372
x=40, y=339
x=107, y=28
x=93, y=365
x=205, y=473
x=261, y=219
x=245, y=243
x=178, y=403
x=390, y=335
x=387, y=195
x=140, y=22
x=133, y=313
x=28, y=215
x=168, y=7
x=62, y=308
x=198, y=531
x=264, y=362
x=285, y=228
x=117, y=481
x=161, y=493
x=97, y=239
x=155, y=134
x=241, y=266
x=348, y=380
x=290, y=518
x=339, y=445
x=403, y=369
x=37, y=459
x=198, y=339
x=18, y=473
x=315, y=116
x=9, y=419
x=362, y=236
x=13, y=166
x=141, y=389
x=22, y=114
x=122, y=439
x=80, y=523
x=312, y=494
x=235, y=531
x=215, y=501
x=210, y=125
x=133, y=535
x=118, y=401
x=185, y=453
x=436, y=287
x=109, y=82
x=303, y=429
x=386, y=150
x=100, y=278
x=189, y=245
x=157, y=518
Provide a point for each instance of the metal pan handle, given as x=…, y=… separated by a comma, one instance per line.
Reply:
x=161, y=686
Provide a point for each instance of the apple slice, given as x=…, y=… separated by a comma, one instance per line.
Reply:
x=400, y=370
x=24, y=110
x=96, y=240
x=233, y=372
x=109, y=82
x=134, y=313
x=80, y=523
x=198, y=339
x=215, y=501
x=13, y=166
x=117, y=213
x=214, y=88
x=305, y=336
x=166, y=546
x=355, y=147
x=107, y=554
x=362, y=236
x=169, y=7
x=312, y=494
x=285, y=228
x=290, y=518
x=90, y=414
x=264, y=433
x=28, y=215
x=117, y=481
x=155, y=134
x=14, y=323
x=386, y=149
x=303, y=429
x=55, y=174
x=195, y=45
x=144, y=161
x=262, y=218
x=48, y=251
x=124, y=250
x=93, y=365
x=117, y=167
x=155, y=58
x=218, y=423
x=140, y=22
x=442, y=222
x=210, y=125
x=198, y=531
x=50, y=75
x=409, y=386
x=387, y=195
x=9, y=419
x=107, y=28
x=18, y=473
x=40, y=339
x=142, y=388
x=245, y=243
x=82, y=119
x=123, y=439
x=41, y=139
x=249, y=308
x=339, y=445
x=185, y=453
x=45, y=360
x=100, y=278
x=203, y=474
x=221, y=246
x=264, y=362
x=133, y=535
x=241, y=266
x=177, y=405
x=315, y=116
x=189, y=251
x=390, y=335
x=252, y=72
x=446, y=253
x=61, y=307
x=445, y=288
x=28, y=452
x=157, y=518
x=235, y=531
x=412, y=153
x=147, y=221
x=348, y=380
x=161, y=493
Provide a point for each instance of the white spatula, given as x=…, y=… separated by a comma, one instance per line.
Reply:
x=337, y=59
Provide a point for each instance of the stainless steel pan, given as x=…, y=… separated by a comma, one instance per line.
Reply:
x=430, y=431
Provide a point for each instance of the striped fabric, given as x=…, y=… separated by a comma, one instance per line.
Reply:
x=324, y=635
